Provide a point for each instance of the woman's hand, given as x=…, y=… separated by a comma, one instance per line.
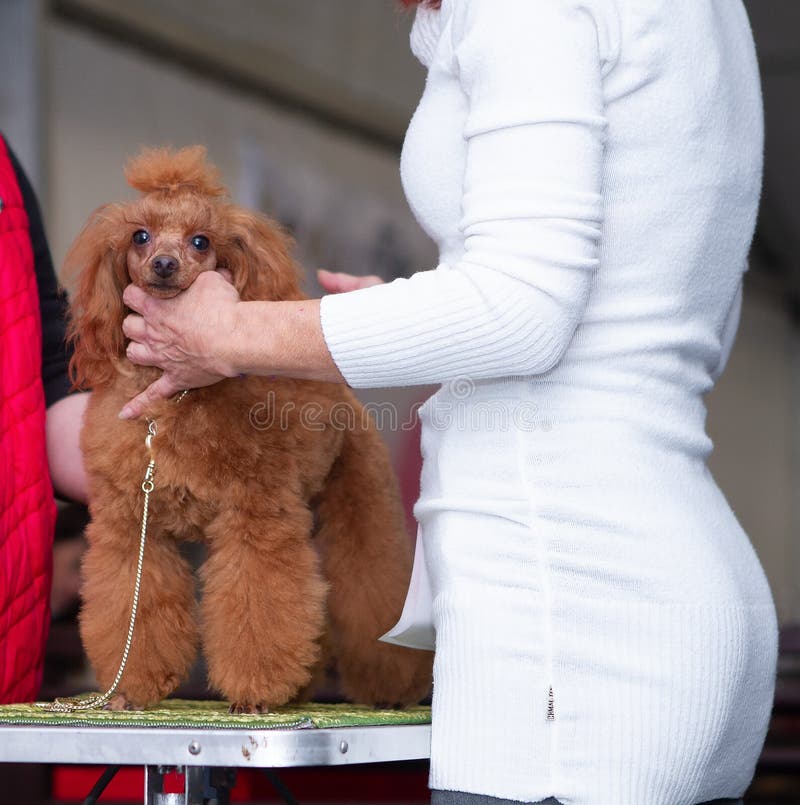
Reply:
x=339, y=282
x=193, y=337
x=185, y=336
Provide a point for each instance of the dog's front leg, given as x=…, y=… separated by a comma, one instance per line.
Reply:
x=263, y=603
x=165, y=634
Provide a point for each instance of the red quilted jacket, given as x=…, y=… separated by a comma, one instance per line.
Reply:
x=27, y=507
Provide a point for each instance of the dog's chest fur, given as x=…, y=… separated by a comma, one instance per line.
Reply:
x=214, y=449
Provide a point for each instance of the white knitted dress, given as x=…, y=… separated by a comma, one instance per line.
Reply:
x=590, y=170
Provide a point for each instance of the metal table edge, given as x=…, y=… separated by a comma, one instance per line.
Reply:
x=239, y=748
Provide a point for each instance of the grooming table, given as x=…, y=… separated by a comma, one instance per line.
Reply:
x=207, y=744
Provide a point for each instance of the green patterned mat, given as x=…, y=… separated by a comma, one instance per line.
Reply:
x=178, y=713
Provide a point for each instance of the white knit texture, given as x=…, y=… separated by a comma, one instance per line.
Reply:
x=590, y=170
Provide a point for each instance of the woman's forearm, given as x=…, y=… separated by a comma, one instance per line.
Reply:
x=281, y=338
x=64, y=457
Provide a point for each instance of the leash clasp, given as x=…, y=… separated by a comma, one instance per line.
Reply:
x=151, y=432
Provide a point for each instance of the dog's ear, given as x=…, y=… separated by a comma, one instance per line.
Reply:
x=256, y=252
x=96, y=266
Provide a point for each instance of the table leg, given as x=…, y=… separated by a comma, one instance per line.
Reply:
x=221, y=781
x=154, y=787
x=196, y=777
x=203, y=785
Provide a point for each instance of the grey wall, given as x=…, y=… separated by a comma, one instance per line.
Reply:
x=23, y=88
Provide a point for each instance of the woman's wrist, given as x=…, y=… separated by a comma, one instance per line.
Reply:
x=236, y=355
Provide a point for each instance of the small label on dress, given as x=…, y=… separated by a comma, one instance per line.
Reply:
x=551, y=708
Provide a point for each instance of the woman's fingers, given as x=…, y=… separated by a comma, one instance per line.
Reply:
x=140, y=354
x=162, y=389
x=134, y=327
x=339, y=282
x=135, y=298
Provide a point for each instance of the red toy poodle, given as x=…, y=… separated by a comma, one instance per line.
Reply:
x=307, y=553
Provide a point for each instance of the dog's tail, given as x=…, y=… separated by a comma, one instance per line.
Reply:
x=167, y=171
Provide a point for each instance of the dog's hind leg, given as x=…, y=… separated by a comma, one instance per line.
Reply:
x=367, y=557
x=165, y=634
x=263, y=602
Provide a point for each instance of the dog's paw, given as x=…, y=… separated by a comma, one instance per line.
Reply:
x=243, y=708
x=389, y=706
x=118, y=703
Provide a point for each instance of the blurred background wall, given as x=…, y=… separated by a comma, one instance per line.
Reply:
x=303, y=105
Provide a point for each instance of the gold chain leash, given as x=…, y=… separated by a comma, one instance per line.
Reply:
x=72, y=704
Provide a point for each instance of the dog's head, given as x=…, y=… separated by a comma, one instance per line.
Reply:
x=181, y=225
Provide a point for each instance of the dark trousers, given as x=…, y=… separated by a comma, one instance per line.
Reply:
x=462, y=798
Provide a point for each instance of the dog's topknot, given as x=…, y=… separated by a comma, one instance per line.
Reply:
x=167, y=171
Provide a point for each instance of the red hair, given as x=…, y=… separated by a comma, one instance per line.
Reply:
x=429, y=3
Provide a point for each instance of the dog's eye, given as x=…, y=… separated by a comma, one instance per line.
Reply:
x=200, y=242
x=141, y=236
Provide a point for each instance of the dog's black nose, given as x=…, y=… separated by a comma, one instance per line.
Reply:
x=164, y=265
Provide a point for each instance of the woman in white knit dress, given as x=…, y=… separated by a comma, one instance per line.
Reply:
x=590, y=170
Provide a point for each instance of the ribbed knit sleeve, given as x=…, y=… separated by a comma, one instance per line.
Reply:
x=531, y=210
